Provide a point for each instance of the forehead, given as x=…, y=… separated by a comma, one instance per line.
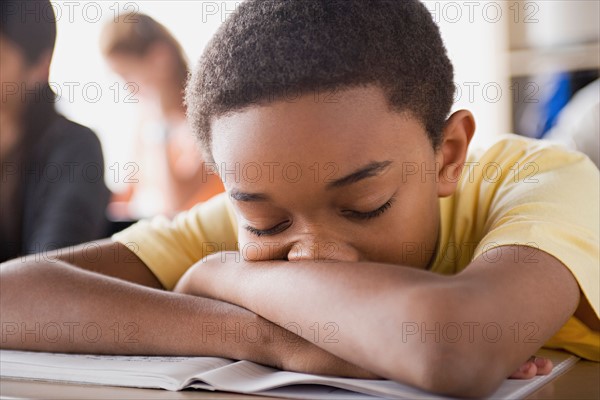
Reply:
x=349, y=128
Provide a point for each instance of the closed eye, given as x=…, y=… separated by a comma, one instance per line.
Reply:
x=268, y=232
x=370, y=214
x=349, y=213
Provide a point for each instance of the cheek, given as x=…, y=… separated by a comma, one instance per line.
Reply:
x=408, y=234
x=12, y=82
x=9, y=60
x=11, y=71
x=418, y=233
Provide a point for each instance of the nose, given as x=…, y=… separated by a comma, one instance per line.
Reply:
x=309, y=249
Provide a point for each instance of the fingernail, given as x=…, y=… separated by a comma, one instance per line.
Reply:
x=540, y=362
x=525, y=367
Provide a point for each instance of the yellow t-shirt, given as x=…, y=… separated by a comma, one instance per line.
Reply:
x=517, y=191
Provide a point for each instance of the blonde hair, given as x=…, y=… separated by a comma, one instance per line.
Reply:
x=132, y=34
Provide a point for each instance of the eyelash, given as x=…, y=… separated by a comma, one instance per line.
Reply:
x=266, y=232
x=372, y=214
x=354, y=214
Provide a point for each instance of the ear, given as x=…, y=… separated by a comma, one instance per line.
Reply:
x=451, y=155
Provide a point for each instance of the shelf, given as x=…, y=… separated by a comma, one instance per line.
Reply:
x=528, y=62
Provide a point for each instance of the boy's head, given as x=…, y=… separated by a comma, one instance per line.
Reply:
x=327, y=121
x=279, y=49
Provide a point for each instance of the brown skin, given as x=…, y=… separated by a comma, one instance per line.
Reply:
x=372, y=288
x=49, y=290
x=339, y=139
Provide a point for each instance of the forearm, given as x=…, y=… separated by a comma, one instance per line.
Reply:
x=356, y=311
x=432, y=331
x=57, y=307
x=60, y=308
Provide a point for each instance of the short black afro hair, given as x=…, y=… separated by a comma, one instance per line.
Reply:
x=268, y=48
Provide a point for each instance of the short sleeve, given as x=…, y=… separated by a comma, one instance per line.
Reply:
x=546, y=197
x=170, y=247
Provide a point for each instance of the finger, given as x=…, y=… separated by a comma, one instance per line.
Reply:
x=527, y=371
x=544, y=365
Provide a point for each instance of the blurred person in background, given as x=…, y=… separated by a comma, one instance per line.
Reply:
x=53, y=192
x=171, y=173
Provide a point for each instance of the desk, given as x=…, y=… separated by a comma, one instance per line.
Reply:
x=582, y=382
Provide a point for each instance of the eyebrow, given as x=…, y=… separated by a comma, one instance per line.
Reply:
x=247, y=197
x=372, y=169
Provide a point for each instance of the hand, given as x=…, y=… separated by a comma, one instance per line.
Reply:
x=532, y=367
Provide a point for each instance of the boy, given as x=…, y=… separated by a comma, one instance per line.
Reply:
x=350, y=219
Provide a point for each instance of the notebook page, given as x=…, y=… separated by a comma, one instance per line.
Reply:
x=248, y=377
x=171, y=373
x=316, y=392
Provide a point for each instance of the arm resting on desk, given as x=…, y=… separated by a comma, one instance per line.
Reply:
x=407, y=324
x=101, y=314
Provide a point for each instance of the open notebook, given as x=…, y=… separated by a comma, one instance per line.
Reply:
x=210, y=373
